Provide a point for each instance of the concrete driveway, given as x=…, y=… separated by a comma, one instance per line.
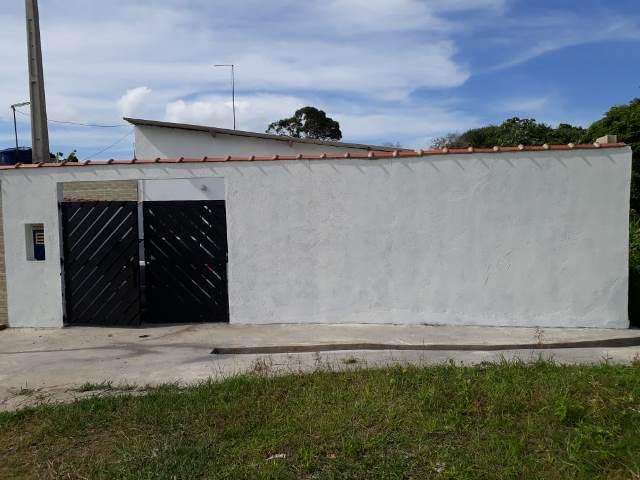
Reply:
x=39, y=365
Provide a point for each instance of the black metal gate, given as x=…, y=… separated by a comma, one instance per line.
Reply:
x=184, y=272
x=185, y=246
x=101, y=263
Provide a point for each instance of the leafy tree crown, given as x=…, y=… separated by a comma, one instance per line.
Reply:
x=514, y=131
x=307, y=122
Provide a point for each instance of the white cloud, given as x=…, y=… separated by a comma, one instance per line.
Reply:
x=558, y=30
x=413, y=126
x=361, y=60
x=92, y=50
x=379, y=15
x=132, y=102
x=100, y=65
x=253, y=112
x=458, y=5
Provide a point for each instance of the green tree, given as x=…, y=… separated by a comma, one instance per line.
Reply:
x=566, y=133
x=308, y=122
x=623, y=121
x=514, y=131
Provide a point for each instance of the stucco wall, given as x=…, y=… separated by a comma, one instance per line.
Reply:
x=34, y=289
x=159, y=142
x=183, y=189
x=532, y=238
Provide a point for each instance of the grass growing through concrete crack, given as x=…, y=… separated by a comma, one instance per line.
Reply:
x=105, y=386
x=95, y=387
x=508, y=420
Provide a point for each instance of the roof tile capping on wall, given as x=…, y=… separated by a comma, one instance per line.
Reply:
x=372, y=155
x=114, y=191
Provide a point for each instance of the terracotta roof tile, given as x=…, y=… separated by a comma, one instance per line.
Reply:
x=323, y=156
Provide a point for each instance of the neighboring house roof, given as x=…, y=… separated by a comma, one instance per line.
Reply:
x=265, y=136
x=324, y=156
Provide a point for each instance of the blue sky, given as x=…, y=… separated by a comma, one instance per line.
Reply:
x=390, y=71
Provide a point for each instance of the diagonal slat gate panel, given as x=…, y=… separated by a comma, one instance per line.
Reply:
x=101, y=263
x=186, y=261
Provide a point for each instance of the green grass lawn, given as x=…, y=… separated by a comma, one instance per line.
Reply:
x=497, y=421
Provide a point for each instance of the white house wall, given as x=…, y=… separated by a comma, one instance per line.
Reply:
x=529, y=239
x=161, y=142
x=182, y=189
x=34, y=288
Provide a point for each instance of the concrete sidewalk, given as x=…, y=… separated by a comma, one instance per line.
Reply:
x=48, y=365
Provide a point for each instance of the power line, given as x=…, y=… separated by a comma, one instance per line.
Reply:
x=89, y=124
x=79, y=124
x=109, y=147
x=117, y=142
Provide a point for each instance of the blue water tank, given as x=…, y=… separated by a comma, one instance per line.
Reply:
x=11, y=156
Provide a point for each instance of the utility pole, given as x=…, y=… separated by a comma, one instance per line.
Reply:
x=233, y=88
x=39, y=127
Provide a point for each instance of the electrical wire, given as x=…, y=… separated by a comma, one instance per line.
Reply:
x=88, y=124
x=78, y=124
x=117, y=142
x=109, y=147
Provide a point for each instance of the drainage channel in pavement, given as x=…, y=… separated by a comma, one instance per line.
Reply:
x=604, y=343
